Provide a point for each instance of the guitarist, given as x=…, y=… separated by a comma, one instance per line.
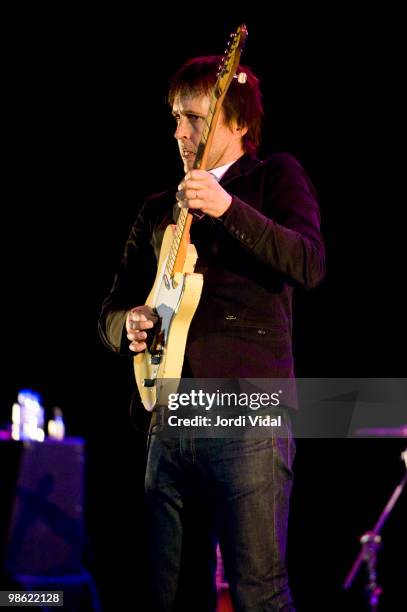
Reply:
x=258, y=239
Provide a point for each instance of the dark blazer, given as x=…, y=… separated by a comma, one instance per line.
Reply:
x=268, y=243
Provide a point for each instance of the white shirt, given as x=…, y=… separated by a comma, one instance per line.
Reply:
x=219, y=172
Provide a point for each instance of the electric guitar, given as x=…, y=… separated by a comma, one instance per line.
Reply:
x=177, y=288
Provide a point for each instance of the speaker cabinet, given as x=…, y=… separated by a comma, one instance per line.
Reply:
x=46, y=529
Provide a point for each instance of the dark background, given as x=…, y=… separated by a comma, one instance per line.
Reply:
x=88, y=136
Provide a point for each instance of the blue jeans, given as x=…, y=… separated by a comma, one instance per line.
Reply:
x=235, y=491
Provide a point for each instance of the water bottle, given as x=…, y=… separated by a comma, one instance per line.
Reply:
x=56, y=426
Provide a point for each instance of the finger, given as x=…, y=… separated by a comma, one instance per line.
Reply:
x=137, y=335
x=140, y=325
x=193, y=194
x=195, y=174
x=138, y=316
x=189, y=192
x=145, y=324
x=193, y=185
x=136, y=347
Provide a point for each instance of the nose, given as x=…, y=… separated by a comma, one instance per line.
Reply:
x=181, y=130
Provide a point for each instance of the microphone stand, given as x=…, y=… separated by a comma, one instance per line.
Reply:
x=371, y=541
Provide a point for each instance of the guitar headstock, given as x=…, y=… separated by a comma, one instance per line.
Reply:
x=230, y=61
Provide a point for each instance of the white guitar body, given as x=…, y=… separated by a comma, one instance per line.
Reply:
x=175, y=304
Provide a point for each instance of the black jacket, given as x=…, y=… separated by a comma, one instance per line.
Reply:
x=268, y=244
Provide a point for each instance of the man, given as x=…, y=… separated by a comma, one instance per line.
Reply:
x=258, y=239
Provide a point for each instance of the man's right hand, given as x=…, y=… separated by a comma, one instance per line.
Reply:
x=139, y=319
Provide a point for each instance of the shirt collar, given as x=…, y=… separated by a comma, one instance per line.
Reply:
x=221, y=170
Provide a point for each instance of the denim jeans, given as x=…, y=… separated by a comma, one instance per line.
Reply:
x=201, y=491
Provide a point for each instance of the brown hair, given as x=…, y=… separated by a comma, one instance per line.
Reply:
x=242, y=103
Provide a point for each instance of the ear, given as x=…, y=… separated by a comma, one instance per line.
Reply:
x=238, y=130
x=242, y=130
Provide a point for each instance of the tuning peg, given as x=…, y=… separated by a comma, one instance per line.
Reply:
x=241, y=77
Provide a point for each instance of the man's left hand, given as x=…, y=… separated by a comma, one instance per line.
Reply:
x=201, y=191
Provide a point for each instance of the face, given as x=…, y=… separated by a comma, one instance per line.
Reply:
x=190, y=112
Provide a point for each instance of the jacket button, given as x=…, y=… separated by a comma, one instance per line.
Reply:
x=242, y=236
x=261, y=332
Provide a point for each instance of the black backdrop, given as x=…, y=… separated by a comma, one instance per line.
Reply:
x=88, y=136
